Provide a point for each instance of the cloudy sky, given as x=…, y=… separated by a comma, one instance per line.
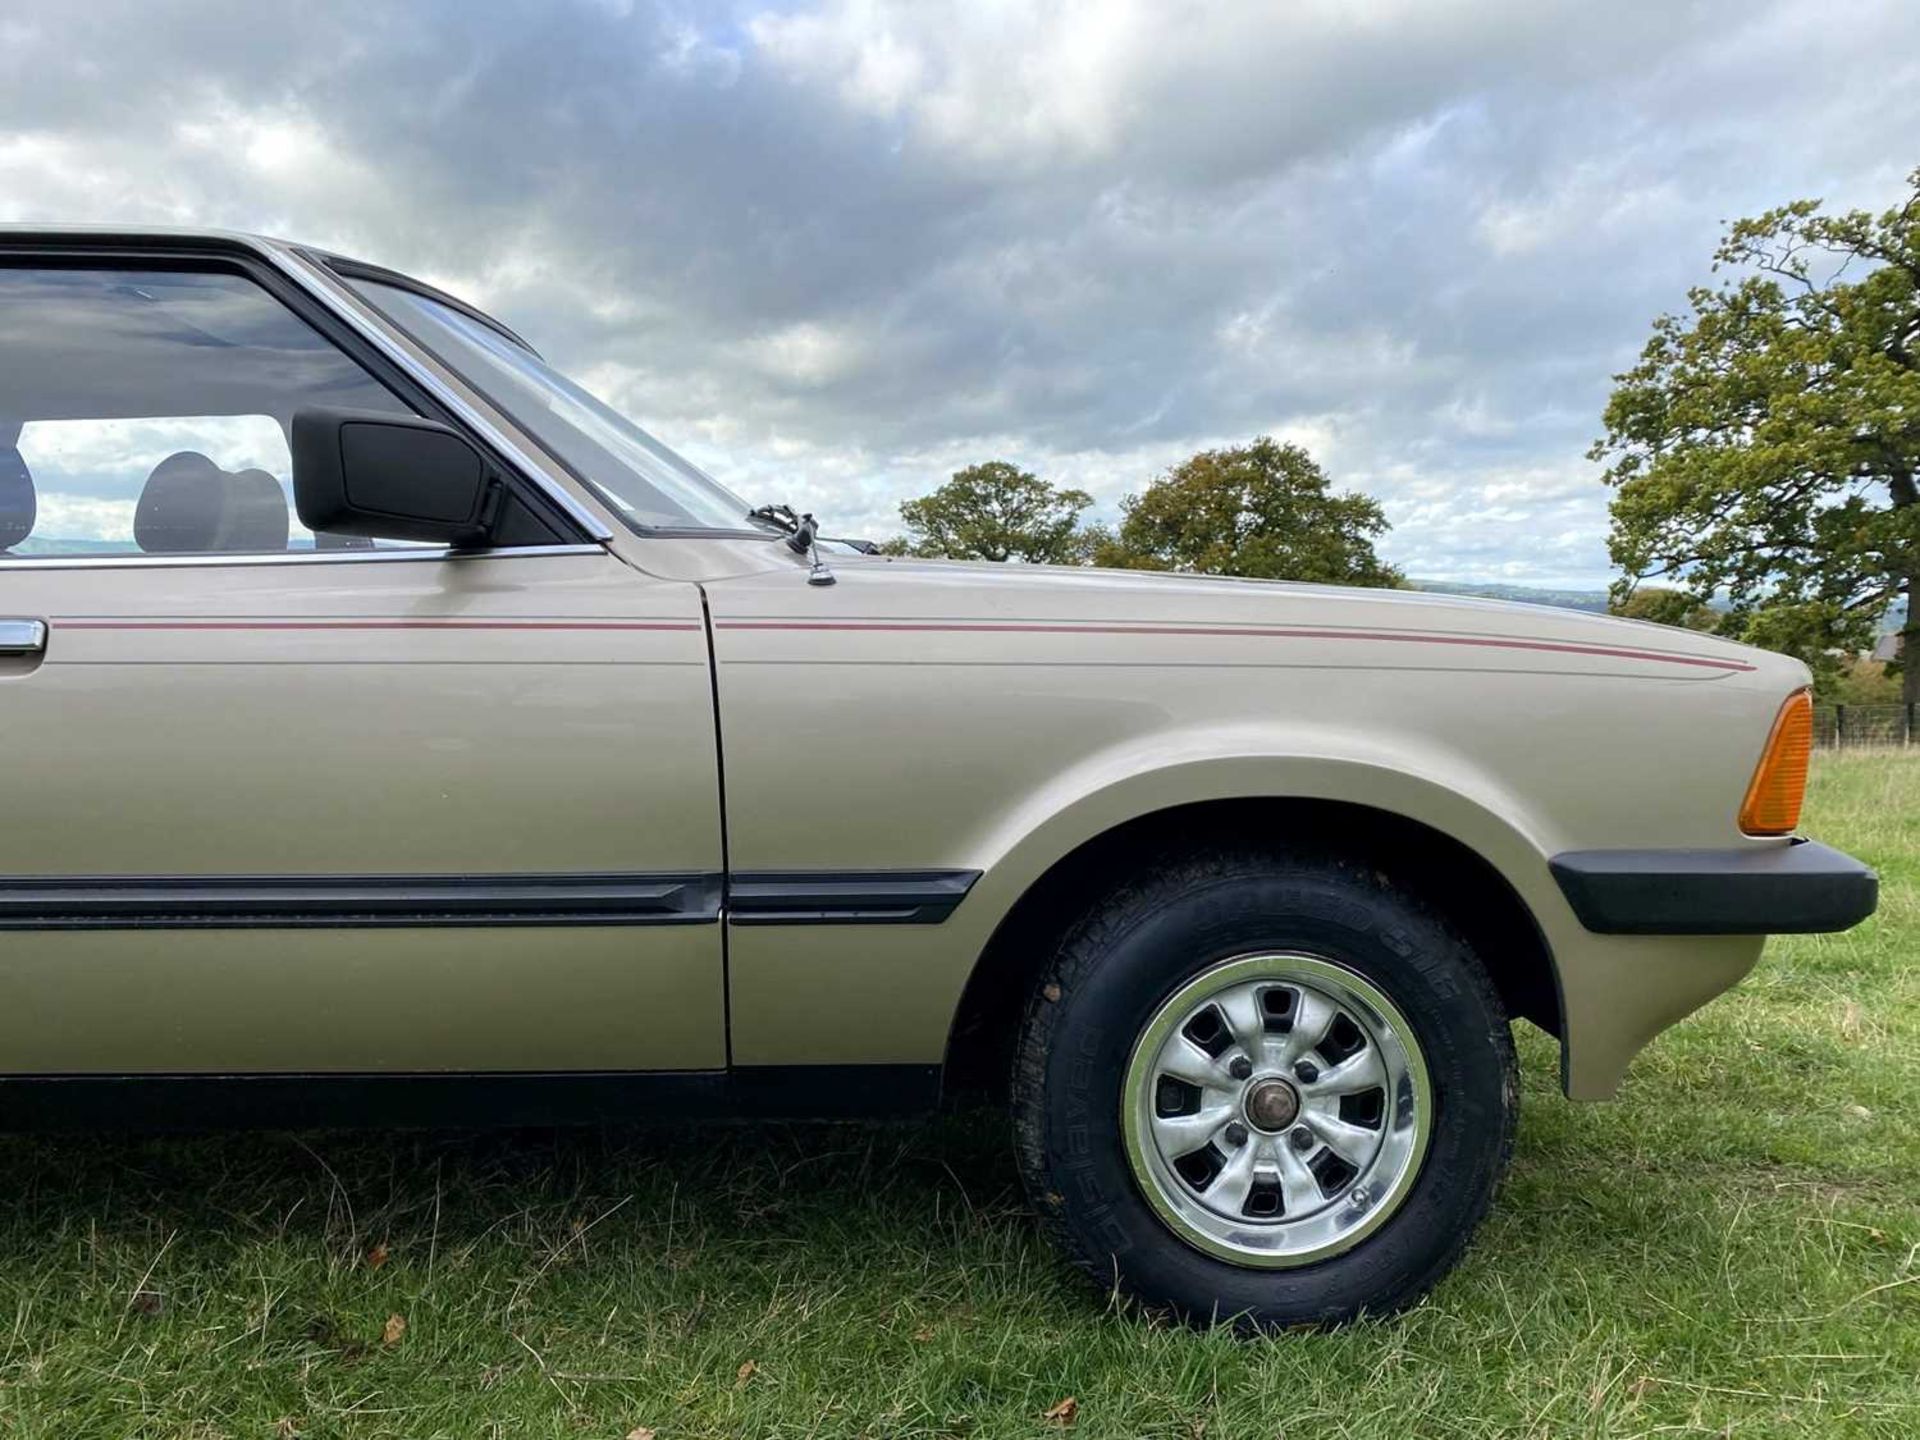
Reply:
x=836, y=250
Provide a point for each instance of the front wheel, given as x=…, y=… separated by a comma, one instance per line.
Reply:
x=1264, y=1088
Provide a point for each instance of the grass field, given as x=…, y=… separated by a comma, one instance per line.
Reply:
x=1731, y=1248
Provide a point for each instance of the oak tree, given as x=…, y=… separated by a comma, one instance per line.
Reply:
x=1765, y=449
x=996, y=511
x=1264, y=510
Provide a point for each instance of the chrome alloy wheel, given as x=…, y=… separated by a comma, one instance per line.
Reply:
x=1276, y=1109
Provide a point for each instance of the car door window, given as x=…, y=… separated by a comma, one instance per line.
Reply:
x=148, y=412
x=89, y=477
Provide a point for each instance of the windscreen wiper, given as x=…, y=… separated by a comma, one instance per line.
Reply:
x=801, y=533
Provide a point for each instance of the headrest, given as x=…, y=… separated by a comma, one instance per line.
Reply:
x=181, y=505
x=18, y=505
x=257, y=516
x=191, y=505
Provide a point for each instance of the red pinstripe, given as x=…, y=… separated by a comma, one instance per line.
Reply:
x=375, y=624
x=1289, y=632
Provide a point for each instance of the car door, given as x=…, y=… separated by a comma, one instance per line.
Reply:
x=280, y=802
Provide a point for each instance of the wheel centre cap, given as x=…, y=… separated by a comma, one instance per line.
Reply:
x=1271, y=1105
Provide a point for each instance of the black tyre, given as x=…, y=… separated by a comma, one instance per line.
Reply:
x=1264, y=1088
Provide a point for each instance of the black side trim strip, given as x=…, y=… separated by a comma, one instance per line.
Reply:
x=1797, y=889
x=192, y=902
x=484, y=1099
x=852, y=897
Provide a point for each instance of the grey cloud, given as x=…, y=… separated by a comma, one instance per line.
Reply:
x=838, y=249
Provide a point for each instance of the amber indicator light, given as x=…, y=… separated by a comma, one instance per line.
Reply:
x=1772, y=806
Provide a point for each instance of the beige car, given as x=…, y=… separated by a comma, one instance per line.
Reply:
x=396, y=734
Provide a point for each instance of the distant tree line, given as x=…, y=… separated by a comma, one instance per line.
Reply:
x=1264, y=510
x=1764, y=456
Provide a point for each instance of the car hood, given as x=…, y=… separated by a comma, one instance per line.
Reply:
x=878, y=589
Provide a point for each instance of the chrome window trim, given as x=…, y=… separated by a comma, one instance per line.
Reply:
x=436, y=553
x=346, y=268
x=349, y=308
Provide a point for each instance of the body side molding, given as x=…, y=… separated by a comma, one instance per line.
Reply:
x=217, y=902
x=852, y=897
x=211, y=902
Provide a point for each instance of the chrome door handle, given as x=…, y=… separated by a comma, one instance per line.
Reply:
x=22, y=637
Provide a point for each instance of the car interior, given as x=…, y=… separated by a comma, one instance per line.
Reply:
x=188, y=505
x=19, y=507
x=122, y=387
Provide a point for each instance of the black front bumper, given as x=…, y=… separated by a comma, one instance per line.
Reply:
x=1794, y=889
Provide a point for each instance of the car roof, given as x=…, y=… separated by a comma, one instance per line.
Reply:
x=15, y=233
x=30, y=230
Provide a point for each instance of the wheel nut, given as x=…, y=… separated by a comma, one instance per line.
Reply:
x=1241, y=1067
x=1301, y=1138
x=1236, y=1133
x=1306, y=1072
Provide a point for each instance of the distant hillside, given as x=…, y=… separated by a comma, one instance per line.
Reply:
x=1595, y=601
x=1591, y=600
x=36, y=545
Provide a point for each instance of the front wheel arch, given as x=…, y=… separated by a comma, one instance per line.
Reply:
x=1451, y=876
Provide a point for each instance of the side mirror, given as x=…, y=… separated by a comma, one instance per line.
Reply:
x=390, y=477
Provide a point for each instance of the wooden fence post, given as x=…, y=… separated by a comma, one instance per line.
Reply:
x=1839, y=727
